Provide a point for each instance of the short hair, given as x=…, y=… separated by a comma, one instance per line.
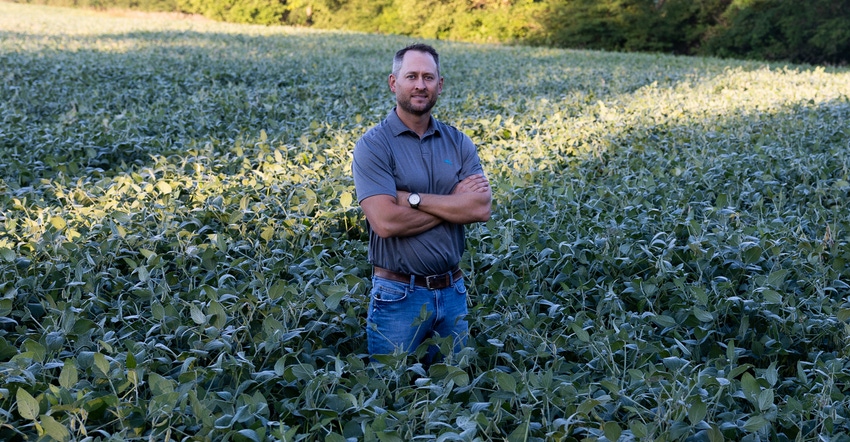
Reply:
x=420, y=47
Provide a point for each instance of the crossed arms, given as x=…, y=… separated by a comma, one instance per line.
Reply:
x=390, y=216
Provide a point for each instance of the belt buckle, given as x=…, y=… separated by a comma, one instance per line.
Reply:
x=433, y=278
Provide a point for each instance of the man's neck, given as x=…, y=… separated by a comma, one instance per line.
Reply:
x=416, y=123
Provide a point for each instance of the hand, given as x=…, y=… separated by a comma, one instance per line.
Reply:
x=472, y=184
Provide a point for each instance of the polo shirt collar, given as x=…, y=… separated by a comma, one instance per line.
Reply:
x=399, y=128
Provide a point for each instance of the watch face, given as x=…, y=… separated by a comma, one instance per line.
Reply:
x=413, y=199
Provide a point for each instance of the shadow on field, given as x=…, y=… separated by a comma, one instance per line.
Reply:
x=112, y=101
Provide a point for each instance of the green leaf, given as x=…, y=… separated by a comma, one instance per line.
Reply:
x=756, y=423
x=388, y=436
x=249, y=434
x=638, y=428
x=739, y=370
x=612, y=431
x=58, y=222
x=771, y=374
x=715, y=435
x=697, y=411
x=101, y=364
x=35, y=350
x=345, y=200
x=69, y=376
x=299, y=371
x=280, y=366
x=751, y=387
x=581, y=333
x=54, y=341
x=587, y=406
x=675, y=363
x=771, y=296
x=7, y=254
x=334, y=294
x=28, y=406
x=450, y=372
x=142, y=272
x=664, y=321
x=505, y=381
x=520, y=433
x=752, y=255
x=164, y=187
x=730, y=354
x=5, y=310
x=162, y=402
x=218, y=315
x=159, y=385
x=54, y=429
x=200, y=409
x=310, y=201
x=197, y=314
x=765, y=399
x=777, y=279
x=157, y=311
x=268, y=233
x=290, y=433
x=131, y=360
x=702, y=315
x=335, y=437
x=278, y=289
x=224, y=422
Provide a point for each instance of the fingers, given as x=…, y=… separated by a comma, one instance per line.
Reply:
x=473, y=183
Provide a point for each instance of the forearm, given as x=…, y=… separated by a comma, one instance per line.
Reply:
x=460, y=208
x=468, y=202
x=406, y=221
x=392, y=217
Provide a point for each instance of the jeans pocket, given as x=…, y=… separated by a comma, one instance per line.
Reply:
x=388, y=291
x=460, y=286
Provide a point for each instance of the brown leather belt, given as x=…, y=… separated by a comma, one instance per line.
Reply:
x=432, y=282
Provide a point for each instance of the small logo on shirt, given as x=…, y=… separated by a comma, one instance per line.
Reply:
x=448, y=161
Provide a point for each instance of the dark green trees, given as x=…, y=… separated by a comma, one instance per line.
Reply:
x=811, y=31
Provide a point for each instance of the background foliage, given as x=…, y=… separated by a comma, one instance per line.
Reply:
x=816, y=31
x=181, y=256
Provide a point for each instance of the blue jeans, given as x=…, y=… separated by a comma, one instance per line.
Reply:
x=402, y=315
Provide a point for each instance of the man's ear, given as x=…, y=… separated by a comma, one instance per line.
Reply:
x=391, y=82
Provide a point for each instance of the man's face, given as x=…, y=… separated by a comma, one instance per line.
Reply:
x=418, y=83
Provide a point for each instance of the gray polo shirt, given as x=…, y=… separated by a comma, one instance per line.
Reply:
x=391, y=157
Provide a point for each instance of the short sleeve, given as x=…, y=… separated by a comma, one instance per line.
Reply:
x=372, y=168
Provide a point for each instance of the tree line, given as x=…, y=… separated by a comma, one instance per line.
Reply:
x=811, y=31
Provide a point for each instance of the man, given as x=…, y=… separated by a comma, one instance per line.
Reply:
x=418, y=181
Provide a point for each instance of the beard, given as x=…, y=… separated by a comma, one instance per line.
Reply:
x=417, y=109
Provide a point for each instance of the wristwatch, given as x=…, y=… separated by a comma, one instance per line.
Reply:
x=414, y=199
